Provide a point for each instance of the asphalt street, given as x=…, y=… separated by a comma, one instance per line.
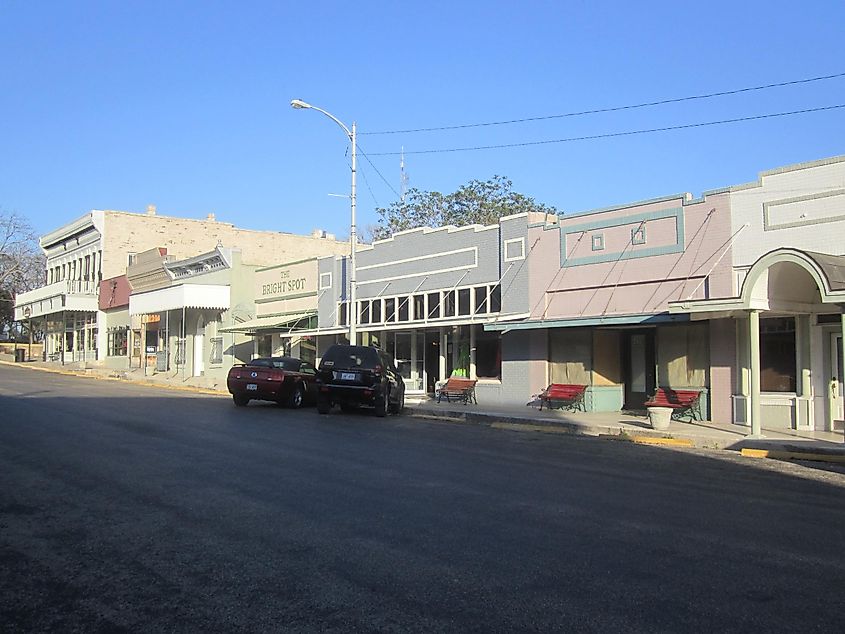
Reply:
x=130, y=508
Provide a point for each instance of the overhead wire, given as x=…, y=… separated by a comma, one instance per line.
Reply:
x=647, y=104
x=364, y=154
x=608, y=135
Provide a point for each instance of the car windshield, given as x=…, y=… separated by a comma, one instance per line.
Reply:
x=340, y=356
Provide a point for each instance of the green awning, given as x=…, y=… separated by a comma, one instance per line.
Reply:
x=277, y=323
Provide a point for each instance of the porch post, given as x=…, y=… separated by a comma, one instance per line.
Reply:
x=472, y=352
x=754, y=344
x=442, y=368
x=805, y=360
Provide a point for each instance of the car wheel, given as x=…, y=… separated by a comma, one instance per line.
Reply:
x=240, y=399
x=382, y=405
x=400, y=404
x=296, y=397
x=324, y=407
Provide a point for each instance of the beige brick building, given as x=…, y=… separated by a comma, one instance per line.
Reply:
x=100, y=245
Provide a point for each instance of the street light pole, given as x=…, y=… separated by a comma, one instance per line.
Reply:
x=352, y=313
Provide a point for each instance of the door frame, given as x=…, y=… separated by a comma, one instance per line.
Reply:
x=836, y=370
x=636, y=400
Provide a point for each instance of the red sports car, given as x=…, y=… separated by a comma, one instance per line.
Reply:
x=285, y=380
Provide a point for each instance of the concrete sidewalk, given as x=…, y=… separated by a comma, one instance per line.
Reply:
x=528, y=418
x=703, y=434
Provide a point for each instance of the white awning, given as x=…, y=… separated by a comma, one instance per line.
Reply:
x=279, y=322
x=211, y=296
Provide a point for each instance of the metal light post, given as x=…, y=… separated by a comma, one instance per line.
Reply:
x=352, y=313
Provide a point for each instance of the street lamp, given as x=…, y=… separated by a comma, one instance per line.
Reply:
x=352, y=313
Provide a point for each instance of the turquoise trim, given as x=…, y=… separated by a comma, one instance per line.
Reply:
x=617, y=320
x=678, y=247
x=638, y=235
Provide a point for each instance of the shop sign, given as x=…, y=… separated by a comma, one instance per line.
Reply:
x=288, y=281
x=150, y=319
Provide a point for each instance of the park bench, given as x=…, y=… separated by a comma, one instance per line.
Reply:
x=458, y=388
x=682, y=402
x=569, y=396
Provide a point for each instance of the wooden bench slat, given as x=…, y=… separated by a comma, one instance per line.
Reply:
x=460, y=388
x=568, y=395
x=681, y=401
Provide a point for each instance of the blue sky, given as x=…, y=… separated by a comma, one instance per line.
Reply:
x=119, y=104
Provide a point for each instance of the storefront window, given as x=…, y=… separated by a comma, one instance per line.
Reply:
x=488, y=354
x=683, y=355
x=480, y=300
x=449, y=304
x=265, y=345
x=216, y=356
x=464, y=307
x=376, y=311
x=404, y=308
x=117, y=342
x=496, y=299
x=419, y=307
x=570, y=356
x=433, y=305
x=778, y=360
x=390, y=310
x=365, y=313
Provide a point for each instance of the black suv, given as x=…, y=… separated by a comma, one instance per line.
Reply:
x=359, y=375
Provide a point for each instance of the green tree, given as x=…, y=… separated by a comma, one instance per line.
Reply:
x=477, y=202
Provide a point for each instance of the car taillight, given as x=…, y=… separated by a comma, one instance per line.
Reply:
x=275, y=376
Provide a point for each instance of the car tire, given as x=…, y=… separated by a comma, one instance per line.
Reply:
x=240, y=400
x=324, y=407
x=296, y=397
x=382, y=405
x=400, y=404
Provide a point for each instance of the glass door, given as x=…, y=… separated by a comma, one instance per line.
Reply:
x=406, y=349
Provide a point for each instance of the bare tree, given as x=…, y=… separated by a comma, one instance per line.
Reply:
x=21, y=262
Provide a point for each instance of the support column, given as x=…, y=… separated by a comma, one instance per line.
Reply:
x=443, y=347
x=754, y=358
x=472, y=352
x=805, y=360
x=804, y=411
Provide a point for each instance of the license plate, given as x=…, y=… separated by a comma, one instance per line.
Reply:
x=252, y=387
x=348, y=376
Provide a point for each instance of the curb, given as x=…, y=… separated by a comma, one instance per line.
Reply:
x=650, y=440
x=778, y=454
x=548, y=429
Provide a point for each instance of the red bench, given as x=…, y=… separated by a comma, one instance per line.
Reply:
x=569, y=396
x=459, y=388
x=683, y=402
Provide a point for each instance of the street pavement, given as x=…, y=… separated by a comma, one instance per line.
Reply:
x=133, y=508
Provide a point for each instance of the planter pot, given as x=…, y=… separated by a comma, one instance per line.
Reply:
x=659, y=417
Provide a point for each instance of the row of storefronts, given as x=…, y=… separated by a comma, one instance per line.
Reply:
x=738, y=294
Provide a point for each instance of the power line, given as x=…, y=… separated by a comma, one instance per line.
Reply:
x=386, y=182
x=615, y=134
x=370, y=189
x=647, y=104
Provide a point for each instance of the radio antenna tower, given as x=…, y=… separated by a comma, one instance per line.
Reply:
x=403, y=177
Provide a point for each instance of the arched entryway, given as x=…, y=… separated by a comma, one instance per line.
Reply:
x=790, y=320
